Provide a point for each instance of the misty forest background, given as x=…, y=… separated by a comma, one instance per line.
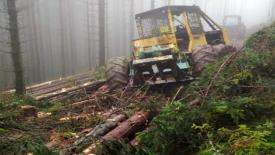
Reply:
x=65, y=37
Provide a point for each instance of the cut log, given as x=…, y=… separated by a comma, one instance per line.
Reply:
x=60, y=86
x=53, y=83
x=134, y=142
x=98, y=131
x=81, y=104
x=45, y=85
x=66, y=96
x=94, y=85
x=50, y=88
x=129, y=127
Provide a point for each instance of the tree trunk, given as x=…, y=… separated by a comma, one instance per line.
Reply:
x=62, y=41
x=89, y=35
x=15, y=47
x=152, y=4
x=132, y=19
x=273, y=11
x=71, y=35
x=101, y=19
x=129, y=127
x=34, y=39
x=40, y=41
x=98, y=131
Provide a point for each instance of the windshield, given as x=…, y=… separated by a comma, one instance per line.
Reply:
x=153, y=25
x=195, y=22
x=231, y=21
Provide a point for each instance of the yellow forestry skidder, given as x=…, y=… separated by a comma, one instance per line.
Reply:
x=175, y=44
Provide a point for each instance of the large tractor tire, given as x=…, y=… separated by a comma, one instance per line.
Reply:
x=204, y=55
x=117, y=73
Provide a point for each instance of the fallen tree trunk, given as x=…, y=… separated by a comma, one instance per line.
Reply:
x=61, y=85
x=51, y=89
x=98, y=131
x=70, y=95
x=45, y=85
x=95, y=84
x=129, y=127
x=65, y=96
x=59, y=82
x=81, y=104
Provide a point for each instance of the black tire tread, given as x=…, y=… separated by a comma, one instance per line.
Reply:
x=207, y=54
x=117, y=73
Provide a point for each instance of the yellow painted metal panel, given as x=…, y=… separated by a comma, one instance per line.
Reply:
x=164, y=39
x=226, y=38
x=195, y=40
x=161, y=40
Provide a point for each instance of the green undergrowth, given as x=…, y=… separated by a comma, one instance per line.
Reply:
x=23, y=135
x=20, y=134
x=17, y=134
x=99, y=73
x=24, y=146
x=235, y=112
x=10, y=109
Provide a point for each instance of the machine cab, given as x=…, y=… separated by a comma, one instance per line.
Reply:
x=174, y=29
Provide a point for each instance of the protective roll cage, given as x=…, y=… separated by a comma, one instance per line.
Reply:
x=150, y=23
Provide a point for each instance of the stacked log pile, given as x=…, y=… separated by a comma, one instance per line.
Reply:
x=63, y=88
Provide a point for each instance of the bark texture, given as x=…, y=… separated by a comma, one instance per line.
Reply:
x=15, y=47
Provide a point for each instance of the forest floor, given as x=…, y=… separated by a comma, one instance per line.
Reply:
x=47, y=123
x=29, y=125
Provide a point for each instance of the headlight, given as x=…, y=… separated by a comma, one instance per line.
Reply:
x=137, y=44
x=171, y=46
